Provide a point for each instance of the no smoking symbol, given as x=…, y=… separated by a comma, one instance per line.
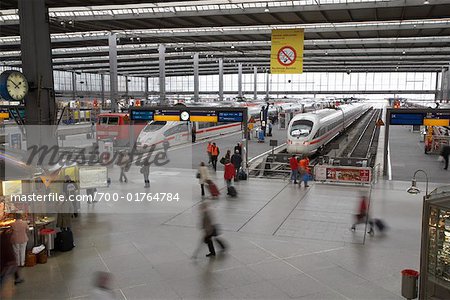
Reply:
x=287, y=56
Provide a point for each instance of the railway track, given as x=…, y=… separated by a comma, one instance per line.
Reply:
x=367, y=138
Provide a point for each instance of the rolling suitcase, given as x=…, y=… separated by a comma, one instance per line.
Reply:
x=381, y=226
x=232, y=191
x=261, y=136
x=64, y=241
x=242, y=175
x=213, y=189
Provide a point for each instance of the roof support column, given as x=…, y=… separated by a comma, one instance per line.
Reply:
x=126, y=87
x=146, y=88
x=221, y=79
x=40, y=106
x=436, y=88
x=240, y=80
x=162, y=74
x=447, y=97
x=267, y=84
x=196, y=77
x=113, y=76
x=255, y=83
x=74, y=86
x=443, y=83
x=102, y=82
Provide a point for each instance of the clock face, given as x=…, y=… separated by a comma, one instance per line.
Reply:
x=17, y=86
x=184, y=116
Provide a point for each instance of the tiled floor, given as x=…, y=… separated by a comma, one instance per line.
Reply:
x=285, y=242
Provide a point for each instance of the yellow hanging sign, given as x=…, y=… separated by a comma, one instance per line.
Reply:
x=286, y=54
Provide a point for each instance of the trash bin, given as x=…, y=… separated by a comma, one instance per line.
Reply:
x=409, y=283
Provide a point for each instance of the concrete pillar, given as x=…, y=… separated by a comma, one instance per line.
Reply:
x=240, y=80
x=436, y=88
x=255, y=83
x=40, y=104
x=74, y=86
x=162, y=73
x=102, y=81
x=448, y=84
x=146, y=89
x=196, y=78
x=126, y=86
x=267, y=84
x=220, y=79
x=113, y=76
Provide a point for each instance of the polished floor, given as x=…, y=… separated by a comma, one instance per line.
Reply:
x=285, y=242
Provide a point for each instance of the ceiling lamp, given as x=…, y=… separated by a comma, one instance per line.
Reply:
x=426, y=2
x=267, y=8
x=232, y=46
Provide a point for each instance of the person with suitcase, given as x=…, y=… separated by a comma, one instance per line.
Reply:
x=236, y=160
x=363, y=215
x=229, y=174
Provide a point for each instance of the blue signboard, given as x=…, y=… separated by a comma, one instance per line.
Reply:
x=406, y=119
x=142, y=115
x=230, y=117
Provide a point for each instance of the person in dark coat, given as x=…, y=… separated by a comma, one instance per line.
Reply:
x=145, y=170
x=210, y=230
x=236, y=160
x=445, y=154
x=238, y=148
x=70, y=188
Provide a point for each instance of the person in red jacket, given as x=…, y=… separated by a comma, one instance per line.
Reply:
x=293, y=163
x=230, y=172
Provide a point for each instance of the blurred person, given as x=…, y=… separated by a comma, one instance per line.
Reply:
x=230, y=173
x=236, y=160
x=210, y=230
x=445, y=153
x=102, y=287
x=363, y=214
x=203, y=176
x=238, y=148
x=64, y=217
x=19, y=239
x=214, y=154
x=304, y=171
x=9, y=274
x=124, y=164
x=227, y=155
x=193, y=133
x=145, y=171
x=293, y=163
x=270, y=128
x=209, y=151
x=70, y=188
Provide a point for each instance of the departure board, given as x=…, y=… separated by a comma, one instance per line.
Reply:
x=142, y=115
x=231, y=116
x=407, y=119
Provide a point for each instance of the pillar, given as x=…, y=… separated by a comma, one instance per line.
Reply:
x=102, y=82
x=40, y=104
x=113, y=76
x=220, y=79
x=267, y=84
x=196, y=77
x=255, y=83
x=146, y=89
x=447, y=97
x=162, y=73
x=240, y=80
x=436, y=88
x=126, y=86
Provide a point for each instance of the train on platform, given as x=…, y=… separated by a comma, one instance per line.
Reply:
x=308, y=133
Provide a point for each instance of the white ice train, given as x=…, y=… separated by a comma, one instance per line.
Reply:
x=308, y=132
x=157, y=132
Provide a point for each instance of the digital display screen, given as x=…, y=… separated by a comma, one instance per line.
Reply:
x=142, y=115
x=406, y=119
x=231, y=117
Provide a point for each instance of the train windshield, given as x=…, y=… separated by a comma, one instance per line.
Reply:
x=301, y=128
x=154, y=126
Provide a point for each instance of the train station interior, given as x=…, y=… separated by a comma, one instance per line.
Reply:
x=224, y=149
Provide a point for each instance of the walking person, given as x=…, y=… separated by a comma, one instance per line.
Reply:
x=445, y=153
x=236, y=160
x=293, y=163
x=270, y=128
x=203, y=177
x=210, y=230
x=70, y=189
x=228, y=155
x=230, y=173
x=238, y=148
x=193, y=133
x=9, y=272
x=19, y=239
x=208, y=151
x=304, y=171
x=124, y=164
x=363, y=214
x=214, y=154
x=145, y=170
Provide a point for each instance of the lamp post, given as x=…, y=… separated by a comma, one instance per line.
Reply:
x=413, y=189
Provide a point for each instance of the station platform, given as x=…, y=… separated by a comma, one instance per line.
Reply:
x=407, y=155
x=285, y=242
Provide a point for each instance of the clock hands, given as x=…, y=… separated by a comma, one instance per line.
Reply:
x=16, y=85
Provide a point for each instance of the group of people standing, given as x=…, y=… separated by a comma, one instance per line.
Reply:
x=300, y=170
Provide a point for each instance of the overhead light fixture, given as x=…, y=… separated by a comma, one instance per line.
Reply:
x=267, y=8
x=404, y=52
x=326, y=53
x=413, y=189
x=232, y=46
x=426, y=2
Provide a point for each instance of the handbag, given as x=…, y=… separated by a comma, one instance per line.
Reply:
x=197, y=175
x=222, y=160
